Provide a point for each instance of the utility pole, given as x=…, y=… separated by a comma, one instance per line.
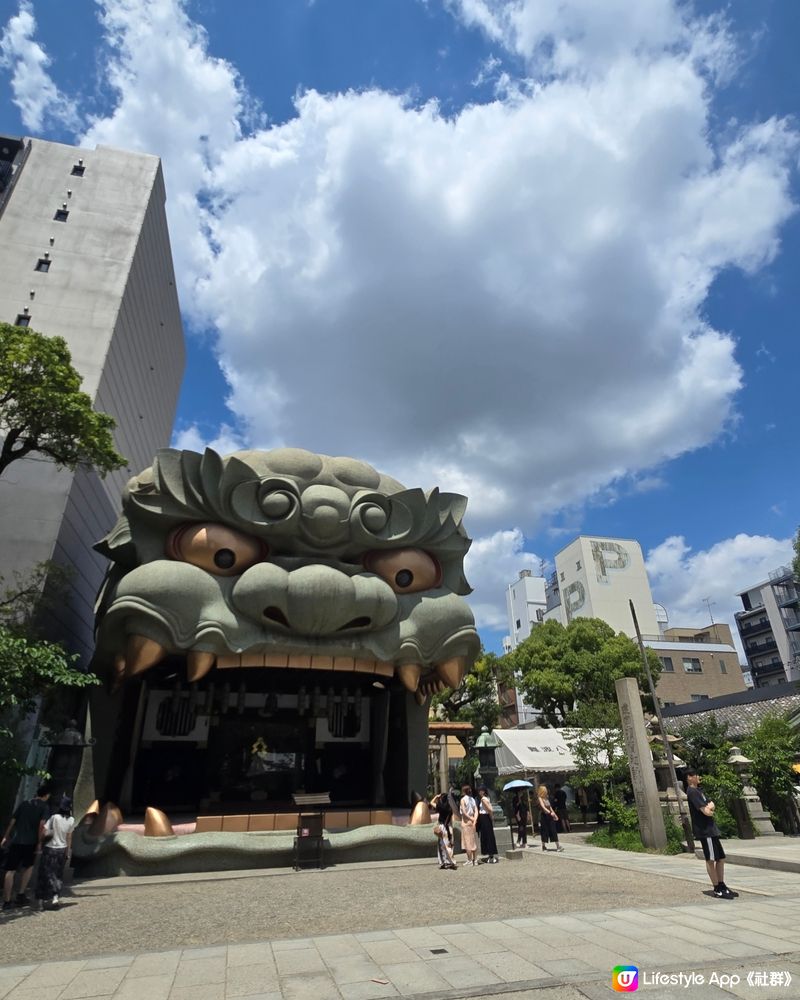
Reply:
x=685, y=821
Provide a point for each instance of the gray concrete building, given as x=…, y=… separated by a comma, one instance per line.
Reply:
x=85, y=255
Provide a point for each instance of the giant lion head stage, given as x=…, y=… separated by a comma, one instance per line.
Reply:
x=275, y=622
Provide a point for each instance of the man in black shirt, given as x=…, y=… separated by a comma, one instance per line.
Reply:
x=707, y=832
x=23, y=838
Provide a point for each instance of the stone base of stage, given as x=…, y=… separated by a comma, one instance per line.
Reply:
x=127, y=853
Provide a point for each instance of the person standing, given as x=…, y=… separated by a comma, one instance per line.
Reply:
x=522, y=820
x=56, y=852
x=444, y=834
x=582, y=800
x=23, y=837
x=520, y=812
x=707, y=832
x=560, y=804
x=547, y=819
x=468, y=812
x=486, y=825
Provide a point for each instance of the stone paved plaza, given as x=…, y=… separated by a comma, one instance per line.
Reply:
x=550, y=927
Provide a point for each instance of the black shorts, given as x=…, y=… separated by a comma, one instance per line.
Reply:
x=19, y=856
x=712, y=848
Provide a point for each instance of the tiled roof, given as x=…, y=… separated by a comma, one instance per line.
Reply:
x=740, y=719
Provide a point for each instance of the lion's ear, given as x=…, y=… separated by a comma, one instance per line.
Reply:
x=118, y=545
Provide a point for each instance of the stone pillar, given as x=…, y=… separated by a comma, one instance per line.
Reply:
x=648, y=806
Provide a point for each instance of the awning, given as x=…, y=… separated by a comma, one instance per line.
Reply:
x=532, y=751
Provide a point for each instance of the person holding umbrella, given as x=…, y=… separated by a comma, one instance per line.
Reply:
x=521, y=816
x=520, y=808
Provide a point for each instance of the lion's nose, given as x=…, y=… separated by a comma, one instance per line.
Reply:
x=315, y=600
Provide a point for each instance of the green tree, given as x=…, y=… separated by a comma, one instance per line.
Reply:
x=598, y=746
x=476, y=701
x=559, y=668
x=33, y=671
x=772, y=747
x=29, y=671
x=42, y=408
x=796, y=561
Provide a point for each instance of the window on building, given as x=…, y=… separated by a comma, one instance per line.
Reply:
x=62, y=214
x=22, y=320
x=519, y=623
x=578, y=564
x=42, y=265
x=78, y=170
x=723, y=669
x=699, y=697
x=667, y=704
x=691, y=665
x=562, y=577
x=666, y=664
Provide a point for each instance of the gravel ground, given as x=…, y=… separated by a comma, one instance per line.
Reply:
x=134, y=916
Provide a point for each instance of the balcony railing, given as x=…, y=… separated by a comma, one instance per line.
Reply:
x=752, y=627
x=754, y=648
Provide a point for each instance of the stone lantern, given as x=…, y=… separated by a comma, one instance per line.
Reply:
x=486, y=745
x=751, y=817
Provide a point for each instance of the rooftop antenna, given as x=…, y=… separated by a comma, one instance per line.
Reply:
x=709, y=605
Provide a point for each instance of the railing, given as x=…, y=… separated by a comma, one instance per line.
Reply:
x=760, y=647
x=755, y=627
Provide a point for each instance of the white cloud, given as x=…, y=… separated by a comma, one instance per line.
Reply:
x=34, y=92
x=492, y=564
x=508, y=301
x=586, y=37
x=682, y=580
x=224, y=440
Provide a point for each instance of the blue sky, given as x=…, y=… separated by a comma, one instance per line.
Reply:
x=542, y=253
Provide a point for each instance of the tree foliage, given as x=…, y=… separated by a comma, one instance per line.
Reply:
x=796, y=561
x=29, y=670
x=772, y=747
x=476, y=700
x=598, y=746
x=42, y=408
x=32, y=670
x=558, y=668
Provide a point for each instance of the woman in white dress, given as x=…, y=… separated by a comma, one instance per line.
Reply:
x=468, y=811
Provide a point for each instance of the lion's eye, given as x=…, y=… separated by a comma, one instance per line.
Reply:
x=405, y=570
x=215, y=548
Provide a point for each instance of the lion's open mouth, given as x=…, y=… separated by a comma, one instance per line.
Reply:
x=142, y=653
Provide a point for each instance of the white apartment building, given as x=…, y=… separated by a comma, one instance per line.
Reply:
x=598, y=577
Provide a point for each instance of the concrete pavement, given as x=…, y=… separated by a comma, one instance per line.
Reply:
x=550, y=956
